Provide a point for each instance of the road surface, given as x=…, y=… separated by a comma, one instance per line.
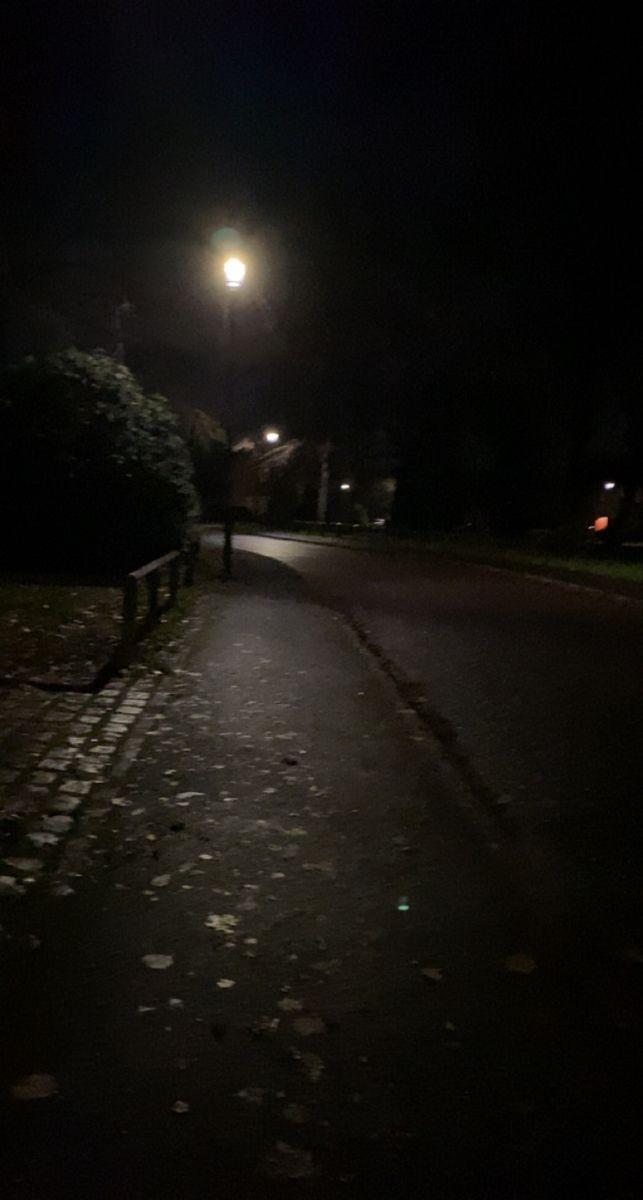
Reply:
x=542, y=685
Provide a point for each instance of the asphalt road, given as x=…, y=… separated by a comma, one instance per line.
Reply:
x=542, y=685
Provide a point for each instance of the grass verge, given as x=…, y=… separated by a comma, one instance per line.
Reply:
x=541, y=562
x=56, y=633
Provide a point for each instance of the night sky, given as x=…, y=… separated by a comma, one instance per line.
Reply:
x=436, y=187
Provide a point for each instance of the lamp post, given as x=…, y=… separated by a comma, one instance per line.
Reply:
x=234, y=270
x=324, y=476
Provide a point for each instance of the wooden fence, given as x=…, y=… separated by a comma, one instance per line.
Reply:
x=160, y=580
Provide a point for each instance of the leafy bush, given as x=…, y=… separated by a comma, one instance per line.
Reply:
x=94, y=474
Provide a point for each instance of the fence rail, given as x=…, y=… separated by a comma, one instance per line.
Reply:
x=170, y=571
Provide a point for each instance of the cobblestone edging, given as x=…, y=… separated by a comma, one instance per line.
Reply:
x=54, y=750
x=57, y=749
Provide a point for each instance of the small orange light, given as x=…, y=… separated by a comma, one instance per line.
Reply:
x=601, y=523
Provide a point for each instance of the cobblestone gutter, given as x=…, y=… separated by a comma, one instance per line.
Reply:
x=54, y=750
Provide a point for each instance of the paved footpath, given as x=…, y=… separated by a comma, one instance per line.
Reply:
x=272, y=949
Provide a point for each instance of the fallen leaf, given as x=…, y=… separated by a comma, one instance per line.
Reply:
x=43, y=839
x=252, y=1095
x=9, y=886
x=296, y=1113
x=223, y=923
x=34, y=1087
x=145, y=1008
x=180, y=1106
x=328, y=968
x=285, y=1162
x=314, y=1066
x=226, y=983
x=433, y=973
x=160, y=881
x=264, y=1025
x=24, y=864
x=520, y=964
x=62, y=889
x=289, y=1005
x=188, y=795
x=158, y=962
x=174, y=1002
x=306, y=1026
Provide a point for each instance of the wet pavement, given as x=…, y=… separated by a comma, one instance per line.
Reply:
x=281, y=950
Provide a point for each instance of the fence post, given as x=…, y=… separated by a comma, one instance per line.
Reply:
x=130, y=597
x=190, y=566
x=152, y=581
x=174, y=581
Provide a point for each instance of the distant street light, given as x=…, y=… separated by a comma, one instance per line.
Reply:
x=235, y=272
x=345, y=487
x=271, y=436
x=609, y=486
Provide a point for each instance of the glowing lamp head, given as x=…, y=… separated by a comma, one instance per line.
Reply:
x=609, y=485
x=271, y=436
x=235, y=272
x=345, y=487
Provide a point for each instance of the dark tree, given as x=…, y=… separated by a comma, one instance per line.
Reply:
x=94, y=474
x=206, y=441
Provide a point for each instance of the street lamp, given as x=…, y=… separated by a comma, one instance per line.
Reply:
x=234, y=270
x=271, y=436
x=344, y=487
